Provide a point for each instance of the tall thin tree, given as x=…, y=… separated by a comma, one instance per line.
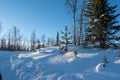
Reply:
x=57, y=39
x=43, y=40
x=72, y=5
x=81, y=21
x=33, y=41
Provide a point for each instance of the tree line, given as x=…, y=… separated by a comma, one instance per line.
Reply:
x=95, y=24
x=13, y=40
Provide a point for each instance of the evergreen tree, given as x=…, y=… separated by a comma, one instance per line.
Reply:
x=102, y=22
x=66, y=38
x=3, y=44
x=57, y=39
x=38, y=44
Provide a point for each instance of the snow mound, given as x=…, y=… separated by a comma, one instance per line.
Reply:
x=81, y=76
x=34, y=55
x=117, y=61
x=25, y=55
x=71, y=76
x=68, y=57
x=17, y=63
x=99, y=67
x=86, y=55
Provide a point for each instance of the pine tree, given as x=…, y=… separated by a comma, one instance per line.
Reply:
x=38, y=44
x=57, y=39
x=102, y=22
x=66, y=38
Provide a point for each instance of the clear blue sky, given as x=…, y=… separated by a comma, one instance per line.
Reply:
x=45, y=16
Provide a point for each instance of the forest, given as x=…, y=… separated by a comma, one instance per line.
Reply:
x=95, y=24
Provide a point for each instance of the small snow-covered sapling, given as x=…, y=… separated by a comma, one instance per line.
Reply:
x=105, y=61
x=75, y=52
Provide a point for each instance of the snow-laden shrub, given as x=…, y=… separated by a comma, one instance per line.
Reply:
x=105, y=61
x=75, y=52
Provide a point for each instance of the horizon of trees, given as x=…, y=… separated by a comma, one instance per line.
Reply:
x=13, y=40
x=94, y=23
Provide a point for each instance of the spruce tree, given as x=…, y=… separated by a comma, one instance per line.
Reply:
x=38, y=44
x=66, y=38
x=57, y=39
x=102, y=20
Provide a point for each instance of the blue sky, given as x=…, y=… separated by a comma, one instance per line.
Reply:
x=45, y=16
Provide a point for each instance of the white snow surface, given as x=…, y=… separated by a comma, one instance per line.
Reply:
x=99, y=67
x=117, y=61
x=49, y=64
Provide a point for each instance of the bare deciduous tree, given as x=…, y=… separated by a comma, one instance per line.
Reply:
x=72, y=5
x=33, y=41
x=81, y=21
x=43, y=40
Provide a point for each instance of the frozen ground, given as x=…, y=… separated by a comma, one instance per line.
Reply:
x=49, y=64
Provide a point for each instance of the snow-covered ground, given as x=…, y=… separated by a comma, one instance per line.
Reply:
x=49, y=64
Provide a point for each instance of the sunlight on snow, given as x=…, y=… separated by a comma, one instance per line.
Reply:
x=117, y=61
x=99, y=67
x=27, y=55
x=86, y=55
x=34, y=55
x=68, y=57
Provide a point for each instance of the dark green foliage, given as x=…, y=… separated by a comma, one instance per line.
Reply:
x=66, y=38
x=38, y=44
x=57, y=39
x=85, y=43
x=102, y=22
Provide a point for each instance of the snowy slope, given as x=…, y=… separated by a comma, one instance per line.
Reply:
x=49, y=64
x=5, y=66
